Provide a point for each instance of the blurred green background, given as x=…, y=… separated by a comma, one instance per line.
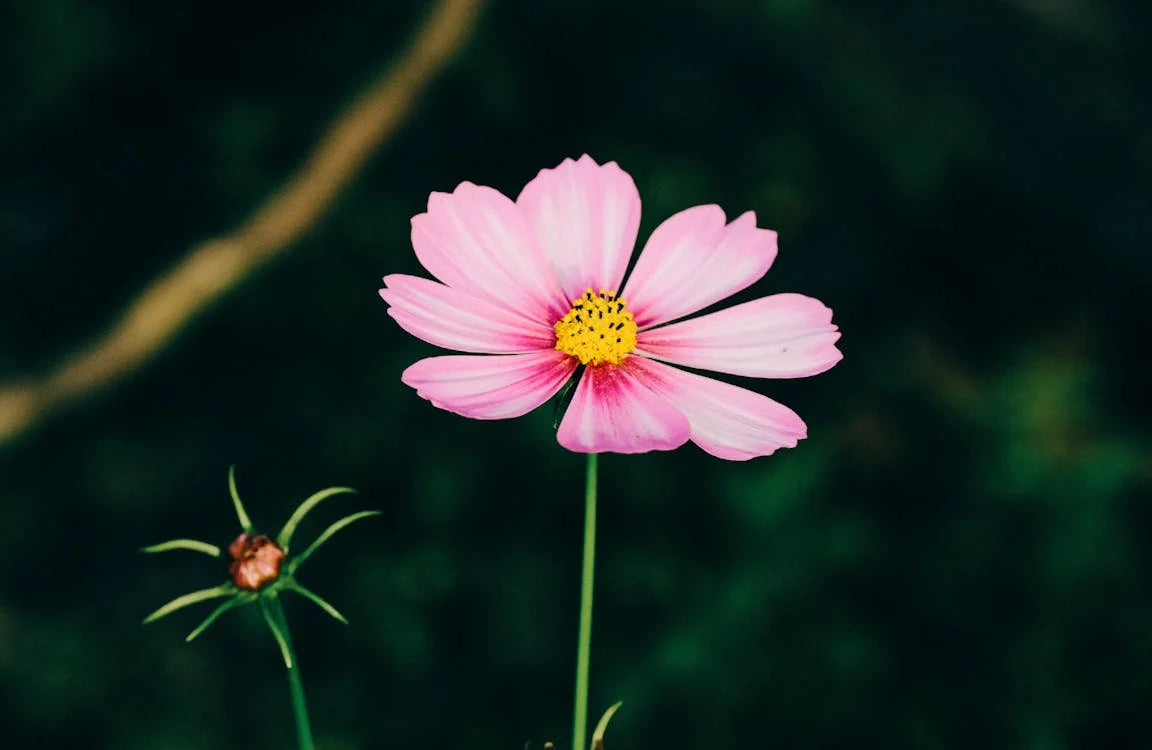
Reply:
x=958, y=557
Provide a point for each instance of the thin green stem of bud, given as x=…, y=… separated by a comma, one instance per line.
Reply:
x=275, y=612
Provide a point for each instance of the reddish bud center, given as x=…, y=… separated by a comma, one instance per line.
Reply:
x=256, y=561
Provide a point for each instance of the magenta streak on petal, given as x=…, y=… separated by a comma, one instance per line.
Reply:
x=490, y=387
x=727, y=421
x=455, y=319
x=612, y=411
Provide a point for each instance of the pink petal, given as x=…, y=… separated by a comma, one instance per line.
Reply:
x=693, y=260
x=612, y=412
x=727, y=421
x=455, y=319
x=782, y=336
x=490, y=387
x=585, y=217
x=477, y=240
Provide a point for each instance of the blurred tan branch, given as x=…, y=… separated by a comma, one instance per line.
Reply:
x=217, y=265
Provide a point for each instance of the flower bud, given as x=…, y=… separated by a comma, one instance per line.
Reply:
x=256, y=561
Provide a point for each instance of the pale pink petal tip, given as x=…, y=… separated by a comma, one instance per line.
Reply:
x=455, y=319
x=477, y=240
x=585, y=217
x=490, y=387
x=726, y=421
x=612, y=412
x=782, y=336
x=694, y=259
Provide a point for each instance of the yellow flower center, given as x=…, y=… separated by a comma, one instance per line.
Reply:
x=597, y=329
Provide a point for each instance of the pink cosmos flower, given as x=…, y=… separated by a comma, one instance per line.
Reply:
x=535, y=288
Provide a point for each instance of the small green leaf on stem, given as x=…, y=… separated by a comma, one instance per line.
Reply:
x=285, y=535
x=188, y=544
x=245, y=523
x=598, y=735
x=297, y=562
x=180, y=602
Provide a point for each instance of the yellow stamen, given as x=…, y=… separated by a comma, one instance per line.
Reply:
x=597, y=329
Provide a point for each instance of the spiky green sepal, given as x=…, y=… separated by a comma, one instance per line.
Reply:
x=284, y=538
x=188, y=544
x=598, y=735
x=226, y=589
x=236, y=601
x=294, y=564
x=317, y=600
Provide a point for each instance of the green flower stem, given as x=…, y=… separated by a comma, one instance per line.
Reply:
x=299, y=705
x=584, y=644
